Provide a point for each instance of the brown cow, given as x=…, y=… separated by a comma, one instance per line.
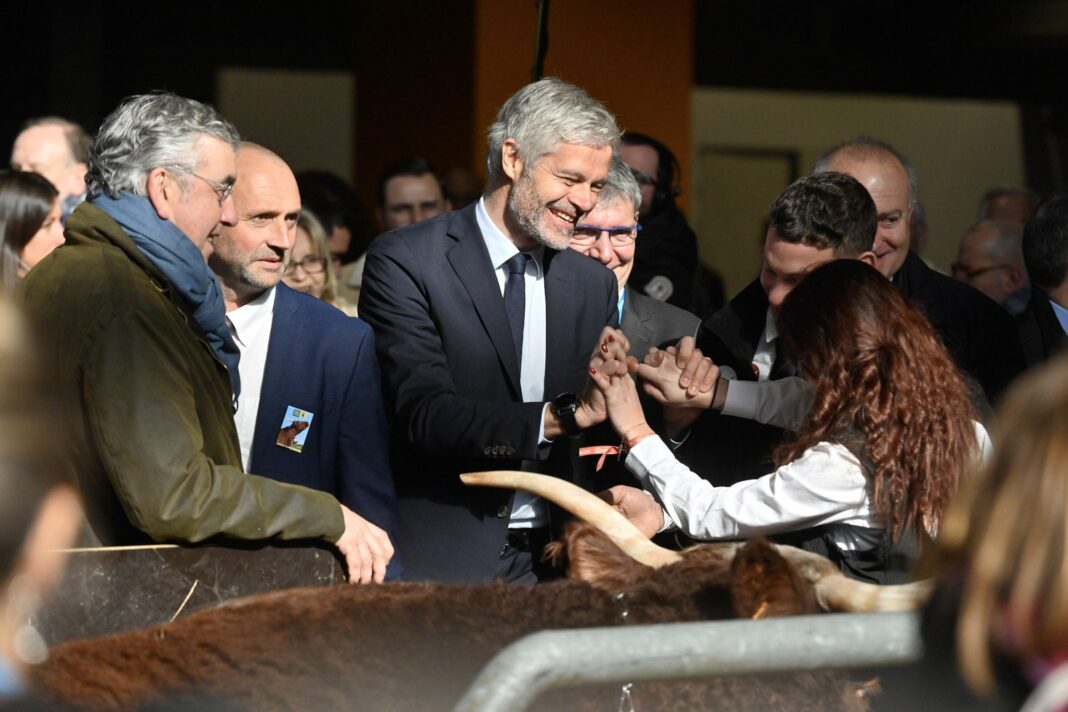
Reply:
x=417, y=646
x=288, y=434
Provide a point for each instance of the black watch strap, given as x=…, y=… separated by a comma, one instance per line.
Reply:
x=564, y=407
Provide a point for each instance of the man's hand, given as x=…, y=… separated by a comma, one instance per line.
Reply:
x=684, y=397
x=592, y=410
x=664, y=382
x=366, y=548
x=698, y=374
x=638, y=506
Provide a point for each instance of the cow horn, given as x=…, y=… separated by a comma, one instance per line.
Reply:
x=837, y=592
x=586, y=506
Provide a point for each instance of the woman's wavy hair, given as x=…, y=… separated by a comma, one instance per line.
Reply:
x=1006, y=535
x=886, y=388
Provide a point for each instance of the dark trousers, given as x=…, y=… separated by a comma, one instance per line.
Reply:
x=521, y=557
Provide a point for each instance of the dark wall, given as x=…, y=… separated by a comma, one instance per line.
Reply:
x=969, y=49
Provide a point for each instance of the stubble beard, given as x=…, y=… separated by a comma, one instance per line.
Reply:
x=530, y=213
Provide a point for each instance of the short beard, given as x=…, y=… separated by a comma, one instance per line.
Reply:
x=528, y=210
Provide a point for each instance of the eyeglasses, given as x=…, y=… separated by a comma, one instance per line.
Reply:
x=222, y=190
x=310, y=265
x=620, y=236
x=964, y=273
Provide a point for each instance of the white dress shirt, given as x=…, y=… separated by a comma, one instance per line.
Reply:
x=827, y=484
x=527, y=509
x=251, y=329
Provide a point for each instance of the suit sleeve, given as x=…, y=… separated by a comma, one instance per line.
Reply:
x=365, y=481
x=142, y=416
x=419, y=385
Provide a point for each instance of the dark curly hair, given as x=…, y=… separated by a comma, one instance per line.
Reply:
x=826, y=210
x=886, y=388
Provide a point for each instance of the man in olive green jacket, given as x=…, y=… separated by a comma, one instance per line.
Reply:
x=135, y=322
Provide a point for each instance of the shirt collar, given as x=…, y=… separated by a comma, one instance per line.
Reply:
x=243, y=319
x=771, y=331
x=1061, y=313
x=500, y=248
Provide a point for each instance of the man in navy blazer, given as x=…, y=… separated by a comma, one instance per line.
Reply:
x=310, y=410
x=481, y=318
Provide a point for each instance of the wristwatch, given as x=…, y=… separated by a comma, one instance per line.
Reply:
x=564, y=407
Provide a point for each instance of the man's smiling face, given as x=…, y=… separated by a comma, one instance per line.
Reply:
x=556, y=191
x=888, y=183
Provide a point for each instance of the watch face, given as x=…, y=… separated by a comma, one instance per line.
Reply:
x=566, y=402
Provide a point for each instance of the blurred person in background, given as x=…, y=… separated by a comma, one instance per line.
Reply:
x=58, y=149
x=29, y=223
x=309, y=261
x=990, y=259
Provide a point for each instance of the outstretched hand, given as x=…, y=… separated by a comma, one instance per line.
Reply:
x=687, y=375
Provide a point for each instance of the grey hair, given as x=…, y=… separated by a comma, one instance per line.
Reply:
x=865, y=147
x=543, y=114
x=148, y=131
x=620, y=186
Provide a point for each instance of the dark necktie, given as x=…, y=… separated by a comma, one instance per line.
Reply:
x=515, y=301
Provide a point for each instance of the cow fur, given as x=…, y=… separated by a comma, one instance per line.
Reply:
x=417, y=646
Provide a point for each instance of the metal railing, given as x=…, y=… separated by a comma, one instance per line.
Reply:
x=555, y=659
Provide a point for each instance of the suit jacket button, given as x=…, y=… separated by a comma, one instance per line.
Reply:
x=487, y=451
x=503, y=511
x=509, y=451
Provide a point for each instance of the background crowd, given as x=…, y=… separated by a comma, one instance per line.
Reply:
x=234, y=359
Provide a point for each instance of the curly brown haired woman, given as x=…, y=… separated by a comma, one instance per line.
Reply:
x=890, y=434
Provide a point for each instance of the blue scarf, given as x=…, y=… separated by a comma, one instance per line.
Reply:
x=183, y=265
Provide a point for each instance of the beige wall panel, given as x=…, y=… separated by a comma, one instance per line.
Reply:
x=308, y=118
x=959, y=148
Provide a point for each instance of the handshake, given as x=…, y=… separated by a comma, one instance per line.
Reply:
x=680, y=378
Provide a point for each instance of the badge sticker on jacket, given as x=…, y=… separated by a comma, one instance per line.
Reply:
x=294, y=430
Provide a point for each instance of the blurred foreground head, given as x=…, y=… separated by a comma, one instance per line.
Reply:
x=1004, y=539
x=39, y=509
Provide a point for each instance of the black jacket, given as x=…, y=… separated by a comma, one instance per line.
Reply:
x=1040, y=332
x=980, y=335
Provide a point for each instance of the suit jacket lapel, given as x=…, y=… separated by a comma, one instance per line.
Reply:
x=559, y=322
x=286, y=329
x=470, y=260
x=637, y=325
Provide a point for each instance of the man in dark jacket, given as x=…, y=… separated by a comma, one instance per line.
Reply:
x=979, y=334
x=134, y=320
x=1043, y=324
x=484, y=323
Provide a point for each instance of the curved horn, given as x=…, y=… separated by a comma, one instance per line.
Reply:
x=588, y=507
x=837, y=592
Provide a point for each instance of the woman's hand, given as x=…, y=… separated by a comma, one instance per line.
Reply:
x=613, y=380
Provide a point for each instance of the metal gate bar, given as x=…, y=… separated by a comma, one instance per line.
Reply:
x=554, y=659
